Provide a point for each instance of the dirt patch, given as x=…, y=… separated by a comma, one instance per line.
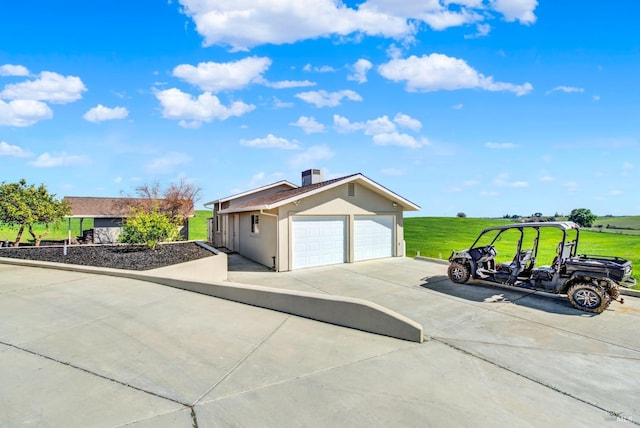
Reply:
x=130, y=257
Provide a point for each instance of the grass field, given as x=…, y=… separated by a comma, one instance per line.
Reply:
x=197, y=229
x=437, y=236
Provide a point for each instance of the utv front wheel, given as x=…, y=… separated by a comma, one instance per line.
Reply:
x=458, y=273
x=588, y=297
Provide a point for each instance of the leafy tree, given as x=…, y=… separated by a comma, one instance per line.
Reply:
x=24, y=205
x=461, y=215
x=583, y=216
x=149, y=227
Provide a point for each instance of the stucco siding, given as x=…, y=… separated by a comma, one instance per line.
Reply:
x=338, y=202
x=261, y=246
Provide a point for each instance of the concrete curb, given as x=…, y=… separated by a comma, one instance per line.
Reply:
x=433, y=260
x=343, y=311
x=629, y=292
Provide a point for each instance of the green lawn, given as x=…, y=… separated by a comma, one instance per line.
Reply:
x=197, y=229
x=437, y=236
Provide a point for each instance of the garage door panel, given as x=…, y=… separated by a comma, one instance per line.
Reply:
x=373, y=237
x=318, y=241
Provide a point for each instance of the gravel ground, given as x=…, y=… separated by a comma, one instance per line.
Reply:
x=131, y=257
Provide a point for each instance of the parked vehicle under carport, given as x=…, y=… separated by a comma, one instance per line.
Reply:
x=590, y=282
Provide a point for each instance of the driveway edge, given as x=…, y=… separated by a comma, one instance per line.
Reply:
x=338, y=310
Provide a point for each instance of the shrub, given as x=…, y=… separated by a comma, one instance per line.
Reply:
x=461, y=215
x=149, y=227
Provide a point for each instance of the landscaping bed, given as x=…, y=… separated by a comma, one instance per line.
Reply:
x=130, y=257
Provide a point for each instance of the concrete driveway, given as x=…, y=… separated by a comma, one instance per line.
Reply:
x=80, y=349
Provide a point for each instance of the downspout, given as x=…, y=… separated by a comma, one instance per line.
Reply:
x=262, y=212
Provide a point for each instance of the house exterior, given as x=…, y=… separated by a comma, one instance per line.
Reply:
x=108, y=215
x=287, y=227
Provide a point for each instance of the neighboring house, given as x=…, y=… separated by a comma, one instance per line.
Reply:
x=108, y=215
x=286, y=227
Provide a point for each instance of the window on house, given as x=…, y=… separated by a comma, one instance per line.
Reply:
x=351, y=189
x=218, y=222
x=255, y=222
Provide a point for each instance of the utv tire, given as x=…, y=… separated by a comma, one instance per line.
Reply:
x=588, y=297
x=458, y=273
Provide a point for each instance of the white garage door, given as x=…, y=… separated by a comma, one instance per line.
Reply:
x=318, y=241
x=373, y=237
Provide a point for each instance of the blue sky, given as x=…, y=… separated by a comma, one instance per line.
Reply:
x=488, y=107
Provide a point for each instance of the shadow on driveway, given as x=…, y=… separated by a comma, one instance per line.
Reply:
x=479, y=292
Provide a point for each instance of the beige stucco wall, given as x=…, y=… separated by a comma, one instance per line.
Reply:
x=275, y=234
x=260, y=247
x=337, y=202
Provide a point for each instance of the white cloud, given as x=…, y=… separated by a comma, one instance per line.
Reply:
x=278, y=103
x=344, y=125
x=616, y=192
x=285, y=84
x=243, y=24
x=321, y=69
x=167, y=163
x=517, y=10
x=23, y=113
x=565, y=89
x=223, y=76
x=311, y=157
x=308, y=124
x=458, y=106
x=270, y=142
x=360, y=70
x=193, y=111
x=51, y=87
x=323, y=98
x=381, y=125
x=101, y=113
x=482, y=30
x=547, y=178
x=7, y=149
x=499, y=146
x=383, y=131
x=406, y=121
x=396, y=139
x=46, y=160
x=13, y=70
x=437, y=72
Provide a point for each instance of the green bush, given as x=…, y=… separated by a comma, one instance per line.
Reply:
x=149, y=227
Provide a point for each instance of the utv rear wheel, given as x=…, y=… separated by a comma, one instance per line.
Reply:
x=458, y=273
x=588, y=297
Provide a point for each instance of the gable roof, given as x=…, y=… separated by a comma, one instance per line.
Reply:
x=98, y=207
x=249, y=192
x=279, y=199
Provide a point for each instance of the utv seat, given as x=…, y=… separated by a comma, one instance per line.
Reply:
x=518, y=264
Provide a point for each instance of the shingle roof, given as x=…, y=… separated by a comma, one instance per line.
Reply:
x=97, y=207
x=286, y=194
x=276, y=199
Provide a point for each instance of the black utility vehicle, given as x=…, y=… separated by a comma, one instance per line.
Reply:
x=590, y=282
